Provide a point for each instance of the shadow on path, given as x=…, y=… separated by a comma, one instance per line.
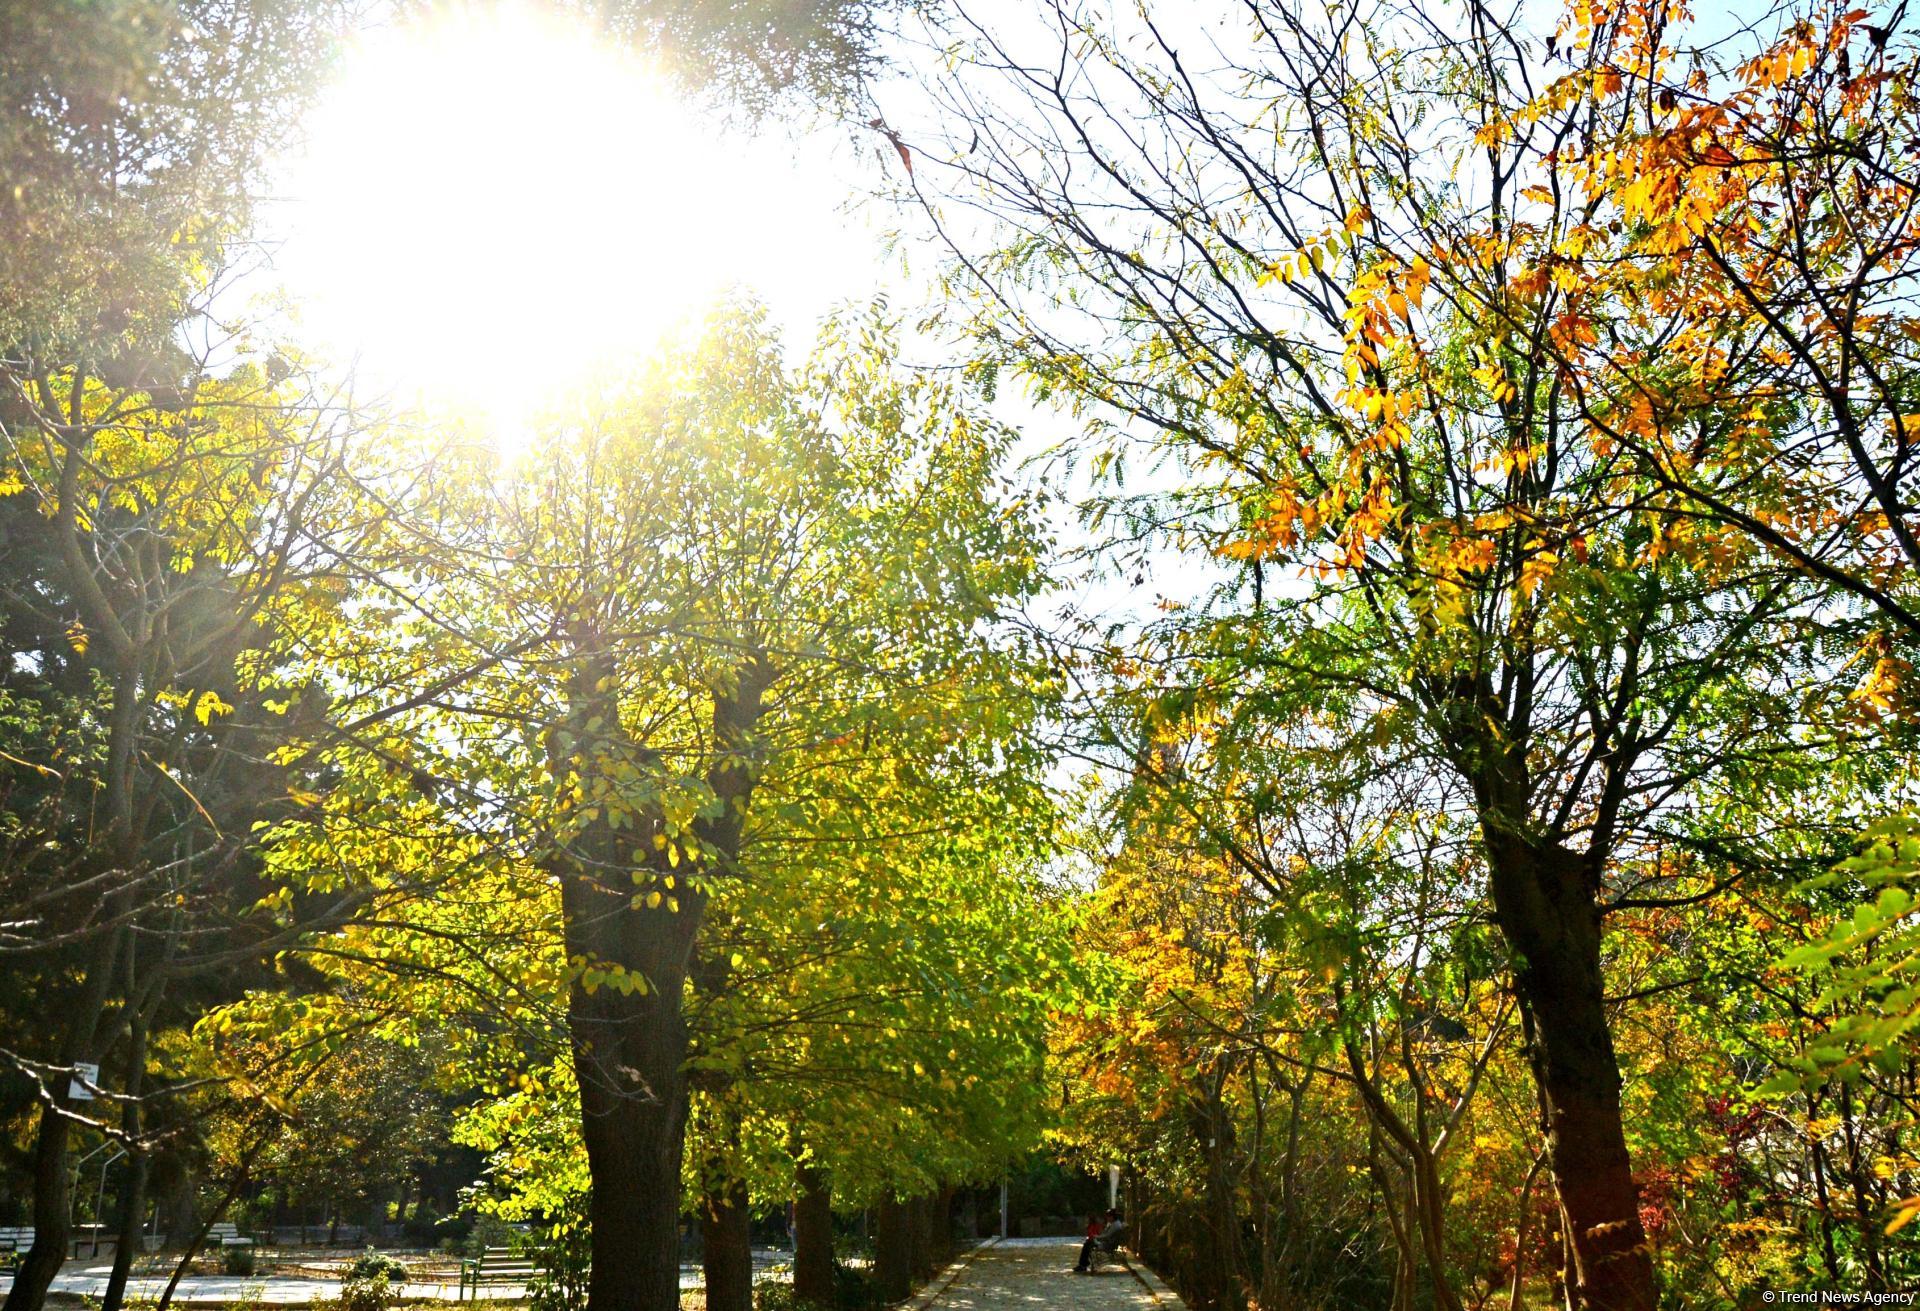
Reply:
x=1024, y=1274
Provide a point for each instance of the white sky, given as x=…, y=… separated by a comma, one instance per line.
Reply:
x=498, y=203
x=495, y=201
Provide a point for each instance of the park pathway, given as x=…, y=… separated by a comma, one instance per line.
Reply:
x=88, y=1281
x=1036, y=1274
x=1019, y=1274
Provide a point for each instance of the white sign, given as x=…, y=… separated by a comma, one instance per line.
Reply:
x=85, y=1079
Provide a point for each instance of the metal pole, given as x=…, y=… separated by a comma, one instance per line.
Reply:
x=100, y=1201
x=1003, y=1209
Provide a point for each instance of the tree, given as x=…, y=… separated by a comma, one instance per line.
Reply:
x=1320, y=280
x=146, y=548
x=133, y=134
x=1760, y=207
x=163, y=548
x=754, y=56
x=730, y=619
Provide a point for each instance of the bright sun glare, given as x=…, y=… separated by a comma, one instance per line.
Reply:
x=495, y=202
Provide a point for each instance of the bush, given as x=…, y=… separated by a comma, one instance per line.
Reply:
x=237, y=1260
x=853, y=1290
x=373, y=1294
x=377, y=1265
x=563, y=1261
x=423, y=1226
x=774, y=1295
x=490, y=1231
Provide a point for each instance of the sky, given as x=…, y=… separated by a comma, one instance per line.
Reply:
x=494, y=202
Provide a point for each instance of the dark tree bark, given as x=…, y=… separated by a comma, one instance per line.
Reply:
x=52, y=1197
x=726, y=1243
x=377, y=1201
x=174, y=1196
x=943, y=1251
x=628, y=1053
x=1545, y=902
x=892, y=1249
x=920, y=1237
x=133, y=1193
x=813, y=1239
x=52, y=1189
x=626, y=903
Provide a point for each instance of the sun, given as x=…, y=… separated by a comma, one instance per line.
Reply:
x=495, y=202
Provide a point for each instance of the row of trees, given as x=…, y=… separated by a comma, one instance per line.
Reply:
x=711, y=796
x=662, y=798
x=1485, y=911
x=1538, y=397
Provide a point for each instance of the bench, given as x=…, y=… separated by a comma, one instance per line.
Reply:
x=15, y=1240
x=14, y=1243
x=227, y=1234
x=497, y=1265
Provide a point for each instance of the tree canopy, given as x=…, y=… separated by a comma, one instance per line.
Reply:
x=1420, y=774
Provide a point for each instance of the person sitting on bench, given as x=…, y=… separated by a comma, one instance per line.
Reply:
x=1108, y=1240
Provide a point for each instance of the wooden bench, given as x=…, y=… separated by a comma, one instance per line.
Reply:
x=497, y=1265
x=227, y=1234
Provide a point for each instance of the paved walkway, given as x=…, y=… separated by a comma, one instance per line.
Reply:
x=224, y=1290
x=1017, y=1274
x=89, y=1280
x=1027, y=1274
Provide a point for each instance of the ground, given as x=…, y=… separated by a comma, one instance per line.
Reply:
x=1024, y=1274
x=1020, y=1274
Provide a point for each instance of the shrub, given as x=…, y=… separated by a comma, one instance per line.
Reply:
x=490, y=1231
x=853, y=1289
x=563, y=1261
x=774, y=1295
x=423, y=1226
x=371, y=1265
x=237, y=1260
x=372, y=1294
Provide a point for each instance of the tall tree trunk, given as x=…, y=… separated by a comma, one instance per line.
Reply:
x=726, y=1243
x=630, y=917
x=133, y=1201
x=813, y=1239
x=377, y=1198
x=942, y=1219
x=892, y=1249
x=628, y=1054
x=920, y=1237
x=52, y=1189
x=52, y=1198
x=133, y=1193
x=1544, y=901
